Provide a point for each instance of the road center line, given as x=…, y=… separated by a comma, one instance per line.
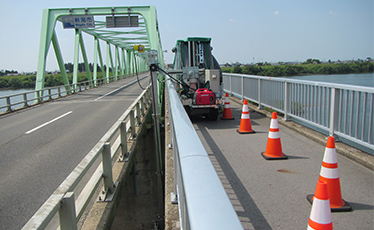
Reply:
x=49, y=122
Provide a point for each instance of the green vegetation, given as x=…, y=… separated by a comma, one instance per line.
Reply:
x=28, y=81
x=309, y=67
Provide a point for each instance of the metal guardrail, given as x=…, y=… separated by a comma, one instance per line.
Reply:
x=32, y=97
x=62, y=201
x=341, y=110
x=203, y=202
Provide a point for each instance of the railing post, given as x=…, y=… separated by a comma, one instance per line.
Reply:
x=334, y=109
x=259, y=94
x=132, y=124
x=59, y=91
x=109, y=187
x=242, y=87
x=67, y=212
x=285, y=102
x=124, y=150
x=9, y=107
x=25, y=100
x=138, y=114
x=50, y=94
x=230, y=84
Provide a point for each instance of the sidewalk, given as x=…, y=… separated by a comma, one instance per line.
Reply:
x=272, y=194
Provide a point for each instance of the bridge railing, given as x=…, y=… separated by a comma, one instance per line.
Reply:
x=344, y=111
x=203, y=202
x=114, y=142
x=11, y=102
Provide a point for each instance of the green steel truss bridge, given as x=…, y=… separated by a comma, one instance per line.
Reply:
x=120, y=27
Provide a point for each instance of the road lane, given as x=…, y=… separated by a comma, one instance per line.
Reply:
x=33, y=165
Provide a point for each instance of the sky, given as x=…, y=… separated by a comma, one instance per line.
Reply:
x=245, y=31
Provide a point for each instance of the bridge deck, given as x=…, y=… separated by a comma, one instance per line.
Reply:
x=272, y=194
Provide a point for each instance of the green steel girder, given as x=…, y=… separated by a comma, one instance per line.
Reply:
x=122, y=39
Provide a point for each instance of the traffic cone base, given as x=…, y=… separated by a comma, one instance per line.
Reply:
x=284, y=157
x=344, y=208
x=222, y=118
x=245, y=132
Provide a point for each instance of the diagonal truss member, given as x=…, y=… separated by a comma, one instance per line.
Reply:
x=119, y=27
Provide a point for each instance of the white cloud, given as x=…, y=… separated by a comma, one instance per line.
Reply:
x=276, y=12
x=332, y=12
x=232, y=20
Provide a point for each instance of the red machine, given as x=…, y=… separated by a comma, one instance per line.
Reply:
x=204, y=96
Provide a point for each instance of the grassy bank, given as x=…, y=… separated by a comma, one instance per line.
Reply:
x=302, y=69
x=28, y=81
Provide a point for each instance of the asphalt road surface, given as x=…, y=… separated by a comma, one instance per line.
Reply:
x=41, y=145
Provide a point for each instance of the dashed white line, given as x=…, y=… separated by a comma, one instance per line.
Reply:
x=49, y=122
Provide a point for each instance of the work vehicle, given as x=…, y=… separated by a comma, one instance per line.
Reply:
x=200, y=83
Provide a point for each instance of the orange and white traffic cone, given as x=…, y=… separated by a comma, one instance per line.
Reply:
x=245, y=122
x=330, y=174
x=274, y=146
x=320, y=215
x=227, y=114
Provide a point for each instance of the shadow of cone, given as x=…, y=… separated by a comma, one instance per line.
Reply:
x=320, y=214
x=245, y=122
x=330, y=174
x=274, y=147
x=227, y=114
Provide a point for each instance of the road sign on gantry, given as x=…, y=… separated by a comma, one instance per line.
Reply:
x=118, y=27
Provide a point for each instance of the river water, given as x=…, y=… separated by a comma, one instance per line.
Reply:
x=363, y=79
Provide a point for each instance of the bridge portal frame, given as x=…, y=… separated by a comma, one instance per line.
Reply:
x=123, y=40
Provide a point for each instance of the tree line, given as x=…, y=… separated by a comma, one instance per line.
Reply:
x=302, y=69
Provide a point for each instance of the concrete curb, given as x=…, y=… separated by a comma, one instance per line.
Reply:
x=350, y=152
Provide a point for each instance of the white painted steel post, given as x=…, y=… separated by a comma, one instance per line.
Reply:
x=285, y=102
x=67, y=212
x=124, y=149
x=132, y=124
x=107, y=169
x=138, y=116
x=242, y=88
x=259, y=94
x=25, y=100
x=332, y=112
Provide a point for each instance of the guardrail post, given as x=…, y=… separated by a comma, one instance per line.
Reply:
x=59, y=91
x=67, y=212
x=138, y=114
x=25, y=104
x=38, y=96
x=143, y=106
x=334, y=109
x=9, y=107
x=242, y=87
x=124, y=150
x=259, y=94
x=50, y=94
x=109, y=186
x=285, y=102
x=132, y=124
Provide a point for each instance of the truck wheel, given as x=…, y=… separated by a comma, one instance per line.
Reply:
x=213, y=114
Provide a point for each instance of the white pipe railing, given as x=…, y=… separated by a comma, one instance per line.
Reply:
x=113, y=142
x=202, y=200
x=20, y=100
x=343, y=111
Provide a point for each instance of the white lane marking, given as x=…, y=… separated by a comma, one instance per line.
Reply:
x=49, y=122
x=130, y=83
